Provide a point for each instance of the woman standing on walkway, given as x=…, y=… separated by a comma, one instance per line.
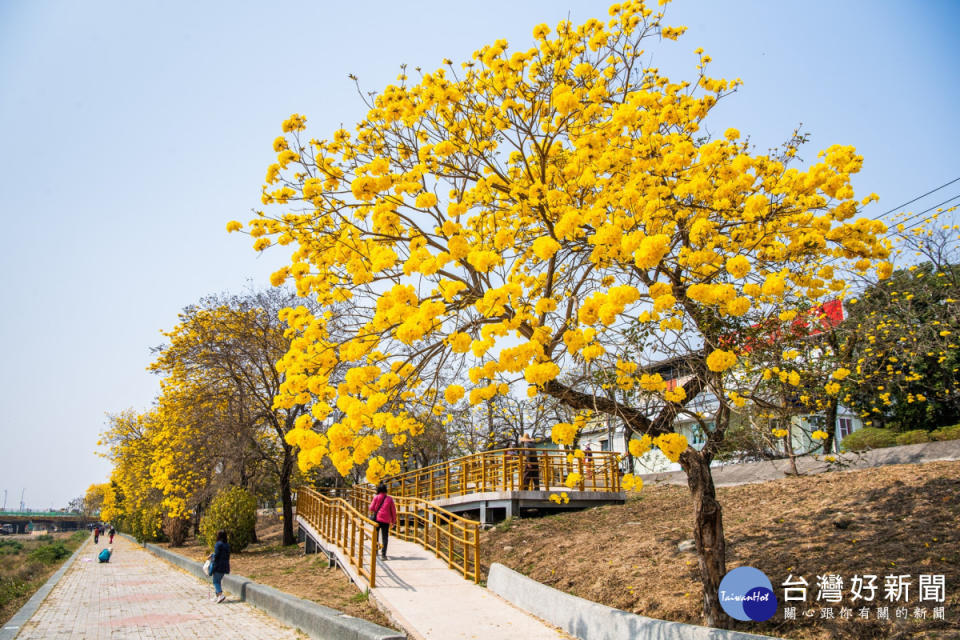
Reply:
x=221, y=564
x=384, y=513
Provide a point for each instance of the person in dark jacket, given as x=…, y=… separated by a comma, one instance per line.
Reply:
x=221, y=564
x=384, y=513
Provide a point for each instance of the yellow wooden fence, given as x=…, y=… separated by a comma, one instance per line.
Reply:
x=509, y=470
x=340, y=523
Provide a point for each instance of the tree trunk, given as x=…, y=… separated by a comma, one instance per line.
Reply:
x=831, y=425
x=791, y=455
x=286, y=496
x=707, y=534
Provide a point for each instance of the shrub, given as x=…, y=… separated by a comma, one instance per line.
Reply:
x=49, y=553
x=869, y=438
x=913, y=437
x=10, y=547
x=78, y=536
x=946, y=433
x=235, y=511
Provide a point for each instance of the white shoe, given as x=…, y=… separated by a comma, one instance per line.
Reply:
x=221, y=597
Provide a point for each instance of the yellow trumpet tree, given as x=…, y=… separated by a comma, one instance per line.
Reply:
x=220, y=379
x=529, y=213
x=134, y=501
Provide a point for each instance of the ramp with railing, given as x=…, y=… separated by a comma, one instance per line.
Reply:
x=341, y=524
x=506, y=479
x=342, y=521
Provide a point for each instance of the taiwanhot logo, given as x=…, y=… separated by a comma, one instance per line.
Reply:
x=746, y=594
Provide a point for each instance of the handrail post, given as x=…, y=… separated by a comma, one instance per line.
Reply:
x=447, y=492
x=476, y=554
x=582, y=475
x=373, y=557
x=483, y=473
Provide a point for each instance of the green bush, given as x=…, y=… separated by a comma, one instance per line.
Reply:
x=235, y=511
x=10, y=547
x=913, y=437
x=869, y=438
x=946, y=433
x=49, y=553
x=78, y=536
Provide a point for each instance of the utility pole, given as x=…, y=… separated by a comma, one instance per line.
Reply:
x=21, y=498
x=4, y=500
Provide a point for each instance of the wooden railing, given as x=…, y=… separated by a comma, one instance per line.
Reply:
x=450, y=537
x=509, y=470
x=343, y=525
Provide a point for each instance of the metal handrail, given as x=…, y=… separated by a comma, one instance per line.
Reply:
x=343, y=525
x=509, y=470
x=450, y=537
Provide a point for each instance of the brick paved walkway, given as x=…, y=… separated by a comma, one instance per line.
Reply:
x=137, y=595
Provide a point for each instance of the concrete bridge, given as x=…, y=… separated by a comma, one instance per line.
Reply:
x=25, y=521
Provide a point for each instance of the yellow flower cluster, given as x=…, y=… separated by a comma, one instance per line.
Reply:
x=639, y=447
x=446, y=240
x=630, y=482
x=672, y=445
x=721, y=360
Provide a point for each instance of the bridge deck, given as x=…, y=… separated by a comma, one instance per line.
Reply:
x=493, y=506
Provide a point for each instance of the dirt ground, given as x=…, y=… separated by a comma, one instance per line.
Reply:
x=289, y=569
x=900, y=519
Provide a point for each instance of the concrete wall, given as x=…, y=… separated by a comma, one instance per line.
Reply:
x=314, y=619
x=591, y=621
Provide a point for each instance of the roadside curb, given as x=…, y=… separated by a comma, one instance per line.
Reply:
x=314, y=619
x=589, y=620
x=12, y=626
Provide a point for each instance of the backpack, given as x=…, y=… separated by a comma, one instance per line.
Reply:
x=104, y=556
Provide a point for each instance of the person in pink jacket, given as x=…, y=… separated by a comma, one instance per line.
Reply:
x=384, y=513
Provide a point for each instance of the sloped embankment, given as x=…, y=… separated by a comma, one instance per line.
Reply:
x=901, y=519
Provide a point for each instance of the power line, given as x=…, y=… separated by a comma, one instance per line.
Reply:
x=916, y=215
x=946, y=184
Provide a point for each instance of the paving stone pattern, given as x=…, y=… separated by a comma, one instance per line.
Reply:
x=137, y=595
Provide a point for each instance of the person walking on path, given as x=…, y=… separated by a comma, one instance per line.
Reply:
x=221, y=564
x=384, y=513
x=113, y=532
x=96, y=534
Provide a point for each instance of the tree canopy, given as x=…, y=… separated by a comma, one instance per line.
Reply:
x=530, y=213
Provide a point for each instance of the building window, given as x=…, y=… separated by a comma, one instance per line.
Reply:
x=604, y=445
x=844, y=427
x=696, y=435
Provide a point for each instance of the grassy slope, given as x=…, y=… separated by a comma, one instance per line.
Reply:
x=904, y=520
x=21, y=576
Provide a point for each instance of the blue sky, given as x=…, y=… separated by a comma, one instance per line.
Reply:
x=131, y=132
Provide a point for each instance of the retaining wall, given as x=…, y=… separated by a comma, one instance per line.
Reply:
x=591, y=621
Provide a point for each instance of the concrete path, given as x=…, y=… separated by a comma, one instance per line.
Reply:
x=432, y=602
x=751, y=472
x=137, y=595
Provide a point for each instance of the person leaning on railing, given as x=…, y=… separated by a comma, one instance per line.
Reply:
x=384, y=513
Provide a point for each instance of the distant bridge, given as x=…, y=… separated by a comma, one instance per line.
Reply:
x=63, y=521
